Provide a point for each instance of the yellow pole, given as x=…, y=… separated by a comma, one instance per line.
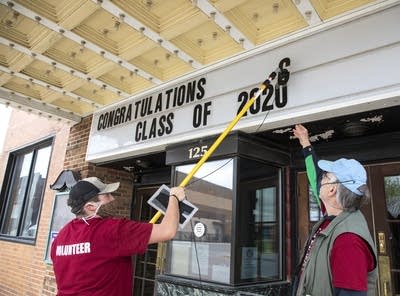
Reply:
x=221, y=137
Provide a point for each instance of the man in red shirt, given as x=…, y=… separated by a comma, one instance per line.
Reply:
x=92, y=254
x=339, y=257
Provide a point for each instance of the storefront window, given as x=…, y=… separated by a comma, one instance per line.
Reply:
x=207, y=255
x=259, y=226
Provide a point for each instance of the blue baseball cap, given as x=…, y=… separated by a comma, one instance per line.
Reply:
x=349, y=172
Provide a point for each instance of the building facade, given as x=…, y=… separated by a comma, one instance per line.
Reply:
x=254, y=208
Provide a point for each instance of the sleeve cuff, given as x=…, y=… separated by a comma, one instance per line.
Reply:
x=307, y=151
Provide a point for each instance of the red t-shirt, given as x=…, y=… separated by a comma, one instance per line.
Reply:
x=95, y=259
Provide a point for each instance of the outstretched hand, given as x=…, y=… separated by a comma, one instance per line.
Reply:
x=301, y=133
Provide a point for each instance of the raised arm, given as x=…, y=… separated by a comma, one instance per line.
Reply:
x=314, y=173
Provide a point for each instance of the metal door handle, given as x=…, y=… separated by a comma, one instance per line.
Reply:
x=386, y=288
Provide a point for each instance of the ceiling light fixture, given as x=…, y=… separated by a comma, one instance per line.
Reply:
x=275, y=7
x=83, y=42
x=255, y=17
x=308, y=14
x=149, y=3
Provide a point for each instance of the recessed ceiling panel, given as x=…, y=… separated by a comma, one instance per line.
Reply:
x=74, y=55
x=161, y=63
x=329, y=8
x=207, y=43
x=108, y=32
x=27, y=88
x=262, y=21
x=78, y=107
x=46, y=73
x=128, y=81
x=97, y=94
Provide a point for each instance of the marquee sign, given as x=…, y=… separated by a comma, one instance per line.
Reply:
x=179, y=111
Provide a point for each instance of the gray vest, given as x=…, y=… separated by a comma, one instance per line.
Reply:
x=316, y=279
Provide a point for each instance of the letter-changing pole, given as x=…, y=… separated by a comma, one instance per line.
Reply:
x=222, y=136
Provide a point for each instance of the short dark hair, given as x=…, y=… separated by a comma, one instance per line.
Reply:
x=80, y=211
x=80, y=194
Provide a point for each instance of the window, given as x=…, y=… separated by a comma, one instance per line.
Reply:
x=315, y=213
x=23, y=190
x=209, y=256
x=259, y=236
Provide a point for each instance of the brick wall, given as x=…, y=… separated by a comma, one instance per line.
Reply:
x=23, y=270
x=22, y=266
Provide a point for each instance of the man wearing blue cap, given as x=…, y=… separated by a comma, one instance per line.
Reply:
x=339, y=257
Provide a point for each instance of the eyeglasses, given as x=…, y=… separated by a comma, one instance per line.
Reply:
x=325, y=175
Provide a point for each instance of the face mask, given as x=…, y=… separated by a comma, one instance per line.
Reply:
x=107, y=210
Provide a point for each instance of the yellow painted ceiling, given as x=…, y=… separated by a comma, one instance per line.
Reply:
x=67, y=58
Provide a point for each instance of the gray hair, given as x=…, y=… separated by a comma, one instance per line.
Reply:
x=350, y=201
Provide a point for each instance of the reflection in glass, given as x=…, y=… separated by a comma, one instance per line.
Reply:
x=392, y=196
x=211, y=191
x=35, y=192
x=17, y=194
x=259, y=234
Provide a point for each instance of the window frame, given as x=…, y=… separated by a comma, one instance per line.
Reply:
x=6, y=187
x=226, y=159
x=279, y=222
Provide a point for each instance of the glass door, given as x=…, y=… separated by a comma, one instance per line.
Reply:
x=385, y=187
x=145, y=265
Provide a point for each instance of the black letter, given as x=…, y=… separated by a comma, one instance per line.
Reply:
x=200, y=87
x=138, y=134
x=197, y=115
x=170, y=126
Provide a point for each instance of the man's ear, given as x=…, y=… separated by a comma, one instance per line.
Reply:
x=333, y=189
x=89, y=207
